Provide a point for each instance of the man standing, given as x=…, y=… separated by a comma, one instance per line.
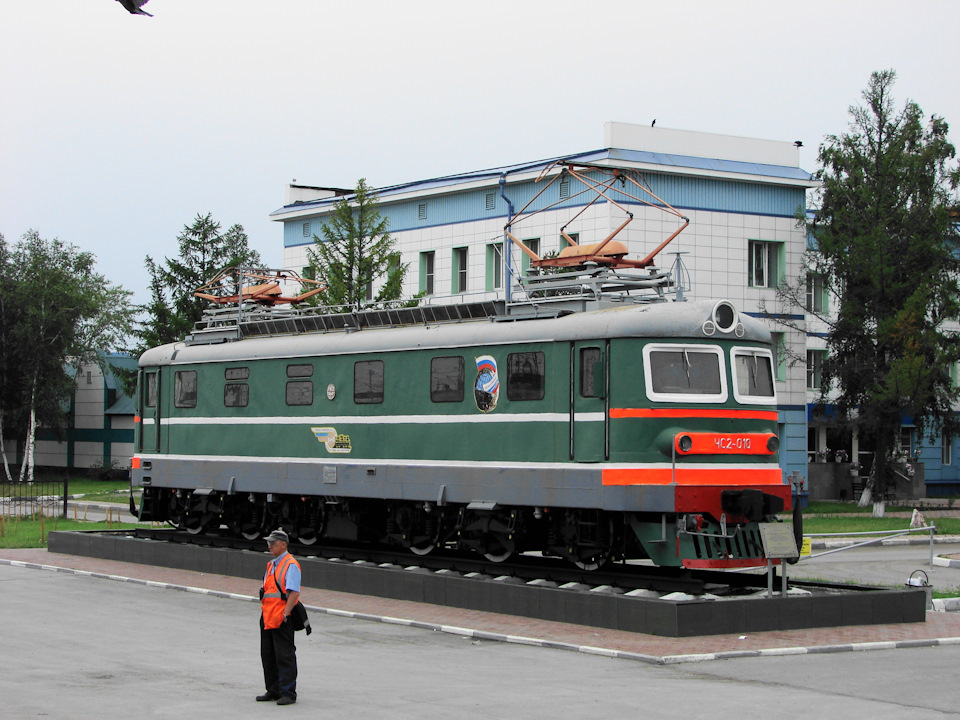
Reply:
x=278, y=596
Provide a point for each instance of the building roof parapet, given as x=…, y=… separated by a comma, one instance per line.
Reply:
x=725, y=167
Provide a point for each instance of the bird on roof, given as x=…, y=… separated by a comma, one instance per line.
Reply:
x=134, y=6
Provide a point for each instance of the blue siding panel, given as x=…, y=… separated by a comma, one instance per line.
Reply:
x=683, y=192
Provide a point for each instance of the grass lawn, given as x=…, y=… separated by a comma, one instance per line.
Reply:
x=838, y=517
x=31, y=532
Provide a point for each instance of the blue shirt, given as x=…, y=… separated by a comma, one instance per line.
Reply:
x=291, y=582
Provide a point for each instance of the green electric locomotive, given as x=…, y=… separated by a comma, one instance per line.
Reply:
x=631, y=431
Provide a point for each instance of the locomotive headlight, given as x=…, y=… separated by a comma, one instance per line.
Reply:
x=684, y=443
x=725, y=316
x=773, y=443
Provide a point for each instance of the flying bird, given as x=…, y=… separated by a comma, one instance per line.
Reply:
x=134, y=6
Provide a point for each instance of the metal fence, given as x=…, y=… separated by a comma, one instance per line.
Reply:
x=884, y=535
x=47, y=498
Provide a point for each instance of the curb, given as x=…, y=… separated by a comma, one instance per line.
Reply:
x=519, y=639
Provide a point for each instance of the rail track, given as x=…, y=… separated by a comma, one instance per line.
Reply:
x=529, y=569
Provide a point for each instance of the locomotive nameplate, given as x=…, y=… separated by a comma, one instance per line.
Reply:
x=778, y=541
x=330, y=474
x=708, y=443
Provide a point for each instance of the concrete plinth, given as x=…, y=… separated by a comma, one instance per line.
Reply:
x=829, y=606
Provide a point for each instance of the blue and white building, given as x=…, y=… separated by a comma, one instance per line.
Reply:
x=742, y=197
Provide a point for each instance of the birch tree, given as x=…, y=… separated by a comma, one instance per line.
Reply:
x=58, y=312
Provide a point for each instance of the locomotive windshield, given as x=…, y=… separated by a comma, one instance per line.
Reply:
x=753, y=375
x=685, y=371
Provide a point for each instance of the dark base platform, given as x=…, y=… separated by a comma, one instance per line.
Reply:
x=830, y=606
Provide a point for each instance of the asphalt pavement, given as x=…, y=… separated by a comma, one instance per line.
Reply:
x=79, y=646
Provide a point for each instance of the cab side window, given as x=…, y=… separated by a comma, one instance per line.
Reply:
x=526, y=376
x=368, y=382
x=299, y=392
x=446, y=379
x=185, y=389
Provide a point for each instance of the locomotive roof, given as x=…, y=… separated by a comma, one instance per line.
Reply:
x=661, y=320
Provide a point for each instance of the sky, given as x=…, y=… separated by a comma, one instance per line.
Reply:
x=117, y=130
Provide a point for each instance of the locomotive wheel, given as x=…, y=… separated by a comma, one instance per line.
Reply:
x=423, y=549
x=492, y=534
x=587, y=537
x=193, y=524
x=594, y=562
x=252, y=534
x=246, y=519
x=498, y=548
x=415, y=527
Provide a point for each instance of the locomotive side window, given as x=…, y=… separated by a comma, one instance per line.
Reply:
x=299, y=371
x=753, y=376
x=368, y=382
x=300, y=392
x=236, y=395
x=526, y=373
x=590, y=368
x=237, y=373
x=684, y=373
x=185, y=389
x=151, y=397
x=446, y=379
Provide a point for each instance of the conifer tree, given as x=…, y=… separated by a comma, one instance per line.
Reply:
x=204, y=251
x=355, y=251
x=889, y=256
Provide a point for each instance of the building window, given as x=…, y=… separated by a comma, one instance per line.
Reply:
x=185, y=389
x=427, y=263
x=446, y=379
x=368, y=382
x=526, y=375
x=422, y=211
x=764, y=270
x=459, y=270
x=534, y=245
x=494, y=266
x=816, y=293
x=490, y=201
x=946, y=450
x=905, y=444
x=815, y=368
x=306, y=229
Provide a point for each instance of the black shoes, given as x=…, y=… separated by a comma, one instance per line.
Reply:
x=281, y=700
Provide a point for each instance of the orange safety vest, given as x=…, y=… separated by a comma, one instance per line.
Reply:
x=271, y=603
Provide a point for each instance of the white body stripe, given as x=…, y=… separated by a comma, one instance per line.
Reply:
x=381, y=419
x=453, y=463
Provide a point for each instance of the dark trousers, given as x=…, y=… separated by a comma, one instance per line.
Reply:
x=278, y=653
